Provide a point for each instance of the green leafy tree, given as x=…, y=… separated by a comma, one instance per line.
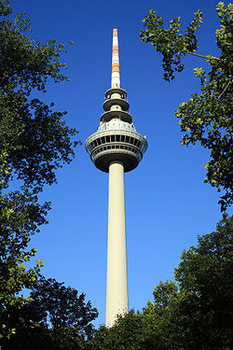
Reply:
x=56, y=318
x=197, y=312
x=20, y=217
x=154, y=328
x=34, y=136
x=193, y=313
x=34, y=142
x=205, y=278
x=126, y=333
x=162, y=328
x=146, y=330
x=207, y=116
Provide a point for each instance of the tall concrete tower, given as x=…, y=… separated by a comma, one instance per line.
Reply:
x=116, y=148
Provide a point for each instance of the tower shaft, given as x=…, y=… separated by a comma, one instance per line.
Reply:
x=117, y=286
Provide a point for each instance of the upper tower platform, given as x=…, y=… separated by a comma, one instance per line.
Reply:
x=116, y=137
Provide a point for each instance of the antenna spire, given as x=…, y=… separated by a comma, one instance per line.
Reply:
x=115, y=60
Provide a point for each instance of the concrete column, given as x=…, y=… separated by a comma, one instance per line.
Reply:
x=117, y=284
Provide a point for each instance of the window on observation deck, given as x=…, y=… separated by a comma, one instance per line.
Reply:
x=122, y=138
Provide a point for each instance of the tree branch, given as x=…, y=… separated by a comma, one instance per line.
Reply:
x=229, y=82
x=202, y=56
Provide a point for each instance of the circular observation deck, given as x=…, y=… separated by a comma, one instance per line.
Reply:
x=117, y=114
x=115, y=102
x=116, y=140
x=122, y=93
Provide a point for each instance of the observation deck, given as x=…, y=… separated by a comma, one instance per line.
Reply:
x=116, y=137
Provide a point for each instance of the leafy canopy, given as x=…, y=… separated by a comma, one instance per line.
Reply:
x=56, y=318
x=20, y=217
x=195, y=312
x=34, y=142
x=35, y=138
x=207, y=117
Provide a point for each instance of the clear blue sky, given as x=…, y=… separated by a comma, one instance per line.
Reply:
x=167, y=203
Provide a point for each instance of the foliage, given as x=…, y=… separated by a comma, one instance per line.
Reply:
x=20, y=217
x=35, y=138
x=198, y=314
x=207, y=116
x=61, y=306
x=193, y=313
x=205, y=277
x=56, y=318
x=152, y=329
x=127, y=333
x=169, y=42
x=34, y=142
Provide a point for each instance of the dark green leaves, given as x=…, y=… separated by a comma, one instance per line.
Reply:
x=205, y=277
x=170, y=42
x=34, y=142
x=195, y=312
x=35, y=137
x=55, y=318
x=207, y=117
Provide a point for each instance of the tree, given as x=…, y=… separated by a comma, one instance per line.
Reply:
x=205, y=278
x=55, y=318
x=125, y=334
x=35, y=138
x=34, y=142
x=207, y=116
x=197, y=312
x=193, y=313
x=20, y=217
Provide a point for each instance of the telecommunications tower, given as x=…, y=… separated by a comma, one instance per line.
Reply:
x=116, y=148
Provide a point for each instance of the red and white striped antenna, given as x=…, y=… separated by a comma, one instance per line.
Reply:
x=115, y=83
